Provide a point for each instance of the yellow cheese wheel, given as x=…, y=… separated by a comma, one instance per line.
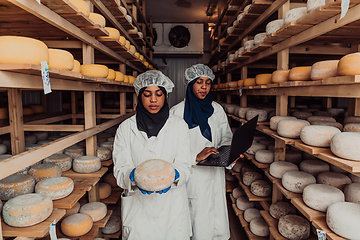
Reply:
x=110, y=179
x=60, y=59
x=4, y=113
x=73, y=210
x=154, y=175
x=96, y=210
x=249, y=82
x=75, y=151
x=141, y=57
x=62, y=160
x=81, y=6
x=16, y=50
x=132, y=49
x=28, y=112
x=146, y=64
x=86, y=164
x=76, y=225
x=97, y=19
x=137, y=55
x=104, y=190
x=55, y=187
x=76, y=67
x=279, y=76
x=133, y=31
x=233, y=84
x=27, y=210
x=127, y=44
x=113, y=33
x=122, y=40
x=131, y=79
x=119, y=76
x=240, y=83
x=16, y=185
x=263, y=79
x=37, y=108
x=94, y=70
x=126, y=78
x=111, y=74
x=324, y=69
x=300, y=74
x=349, y=64
x=43, y=171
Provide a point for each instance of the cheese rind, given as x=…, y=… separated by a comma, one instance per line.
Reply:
x=86, y=164
x=62, y=160
x=259, y=227
x=60, y=59
x=314, y=167
x=261, y=188
x=323, y=69
x=321, y=196
x=76, y=225
x=294, y=227
x=291, y=128
x=16, y=185
x=313, y=4
x=332, y=124
x=276, y=119
x=279, y=209
x=263, y=79
x=346, y=145
x=352, y=127
x=249, y=82
x=352, y=192
x=81, y=6
x=104, y=190
x=45, y=170
x=55, y=187
x=318, y=136
x=294, y=14
x=349, y=65
x=238, y=192
x=264, y=156
x=252, y=112
x=334, y=179
x=255, y=147
x=250, y=177
x=243, y=203
x=259, y=38
x=300, y=73
x=251, y=213
x=279, y=76
x=273, y=26
x=113, y=225
x=73, y=210
x=75, y=151
x=277, y=169
x=97, y=19
x=296, y=181
x=96, y=210
x=76, y=67
x=94, y=70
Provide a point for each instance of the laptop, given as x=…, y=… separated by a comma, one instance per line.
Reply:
x=241, y=141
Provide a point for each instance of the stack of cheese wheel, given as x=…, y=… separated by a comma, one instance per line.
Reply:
x=279, y=76
x=280, y=209
x=296, y=181
x=76, y=225
x=294, y=227
x=318, y=136
x=349, y=65
x=300, y=73
x=86, y=164
x=81, y=6
x=75, y=151
x=45, y=170
x=294, y=14
x=27, y=210
x=346, y=145
x=321, y=196
x=94, y=70
x=324, y=69
x=263, y=79
x=277, y=169
x=62, y=160
x=22, y=50
x=291, y=128
x=55, y=187
x=60, y=59
x=16, y=185
x=96, y=210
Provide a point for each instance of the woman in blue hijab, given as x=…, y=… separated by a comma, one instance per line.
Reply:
x=209, y=129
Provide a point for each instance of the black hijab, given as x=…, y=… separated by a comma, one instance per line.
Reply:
x=197, y=111
x=150, y=123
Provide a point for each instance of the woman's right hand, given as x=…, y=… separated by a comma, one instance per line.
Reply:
x=205, y=153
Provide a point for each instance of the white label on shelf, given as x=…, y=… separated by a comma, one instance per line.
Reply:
x=344, y=7
x=321, y=234
x=240, y=91
x=53, y=230
x=45, y=77
x=38, y=1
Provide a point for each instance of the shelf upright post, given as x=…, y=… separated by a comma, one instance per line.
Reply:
x=354, y=103
x=16, y=121
x=244, y=75
x=98, y=106
x=73, y=106
x=228, y=79
x=134, y=94
x=122, y=68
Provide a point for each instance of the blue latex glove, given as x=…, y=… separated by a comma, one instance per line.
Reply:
x=144, y=191
x=177, y=175
x=131, y=176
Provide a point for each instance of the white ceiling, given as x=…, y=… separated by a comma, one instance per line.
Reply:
x=166, y=11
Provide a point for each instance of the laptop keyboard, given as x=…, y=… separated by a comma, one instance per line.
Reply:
x=222, y=158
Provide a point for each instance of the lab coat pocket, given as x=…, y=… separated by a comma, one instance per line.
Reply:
x=128, y=214
x=191, y=185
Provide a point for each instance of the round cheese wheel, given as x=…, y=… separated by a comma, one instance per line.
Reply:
x=274, y=25
x=60, y=59
x=76, y=67
x=123, y=10
x=294, y=227
x=41, y=136
x=335, y=112
x=28, y=112
x=133, y=31
x=241, y=112
x=76, y=225
x=294, y=14
x=119, y=76
x=104, y=190
x=73, y=210
x=108, y=145
x=127, y=44
x=259, y=38
x=30, y=146
x=230, y=29
x=111, y=75
x=126, y=78
x=75, y=151
x=141, y=57
x=314, y=167
x=113, y=225
x=154, y=175
x=238, y=192
x=230, y=108
x=346, y=145
x=97, y=19
x=243, y=203
x=349, y=65
x=263, y=79
x=321, y=196
x=267, y=142
x=82, y=6
x=255, y=147
x=240, y=16
x=352, y=127
x=238, y=165
x=264, y=156
x=16, y=185
x=354, y=178
x=318, y=136
x=278, y=168
x=240, y=83
x=343, y=218
x=17, y=50
x=129, y=18
x=334, y=168
x=3, y=149
x=55, y=187
x=290, y=128
x=249, y=168
x=251, y=113
x=276, y=119
x=249, y=44
x=27, y=210
x=103, y=153
x=313, y=4
x=261, y=188
x=352, y=192
x=122, y=40
x=296, y=181
x=62, y=160
x=259, y=227
x=132, y=49
x=30, y=139
x=233, y=84
x=250, y=177
x=323, y=69
x=86, y=164
x=137, y=55
x=96, y=210
x=302, y=115
x=279, y=76
x=43, y=171
x=280, y=209
x=110, y=179
x=325, y=123
x=249, y=82
x=251, y=213
x=94, y=70
x=321, y=113
x=300, y=73
x=334, y=179
x=351, y=119
x=320, y=119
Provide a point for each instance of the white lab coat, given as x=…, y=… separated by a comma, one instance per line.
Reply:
x=206, y=187
x=155, y=216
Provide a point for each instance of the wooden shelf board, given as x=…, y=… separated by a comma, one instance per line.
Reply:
x=275, y=233
x=292, y=28
x=230, y=186
x=242, y=220
x=236, y=210
x=273, y=134
x=85, y=183
x=233, y=200
x=113, y=198
x=69, y=201
x=265, y=205
x=38, y=230
x=240, y=58
x=272, y=222
x=270, y=177
x=259, y=6
x=260, y=47
x=252, y=197
x=106, y=163
x=309, y=213
x=347, y=165
x=309, y=149
x=318, y=15
x=260, y=165
x=275, y=38
x=286, y=193
x=337, y=3
x=322, y=225
x=70, y=173
x=103, y=221
x=248, y=53
x=247, y=20
x=252, y=236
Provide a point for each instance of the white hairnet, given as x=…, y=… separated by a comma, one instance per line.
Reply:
x=198, y=70
x=153, y=77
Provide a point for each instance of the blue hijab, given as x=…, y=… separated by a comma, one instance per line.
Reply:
x=197, y=111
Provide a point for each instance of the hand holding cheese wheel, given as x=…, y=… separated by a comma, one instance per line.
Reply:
x=154, y=175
